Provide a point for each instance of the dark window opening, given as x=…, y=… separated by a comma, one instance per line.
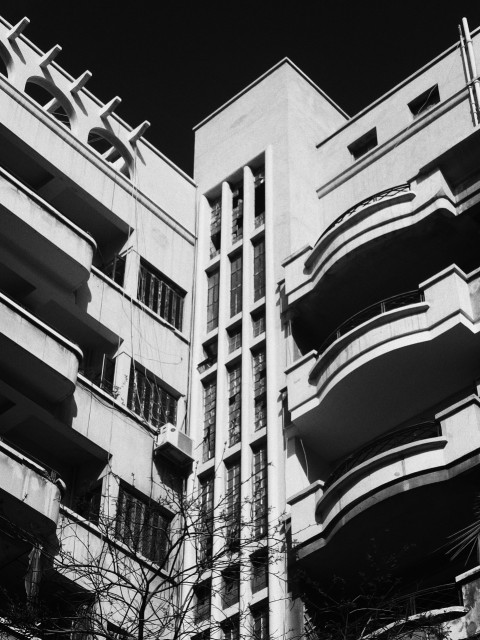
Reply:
x=231, y=586
x=99, y=368
x=260, y=623
x=260, y=388
x=234, y=339
x=231, y=628
x=215, y=228
x=234, y=404
x=149, y=400
x=364, y=144
x=260, y=508
x=209, y=413
x=259, y=182
x=202, y=601
x=206, y=521
x=259, y=570
x=258, y=270
x=210, y=351
x=142, y=525
x=235, y=285
x=212, y=300
x=424, y=101
x=88, y=503
x=237, y=213
x=258, y=323
x=115, y=269
x=233, y=506
x=161, y=295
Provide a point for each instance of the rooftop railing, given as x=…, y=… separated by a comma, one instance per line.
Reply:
x=414, y=433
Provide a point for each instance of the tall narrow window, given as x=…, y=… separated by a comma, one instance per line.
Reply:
x=259, y=570
x=235, y=285
x=237, y=213
x=233, y=506
x=259, y=270
x=260, y=389
x=148, y=399
x=260, y=623
x=260, y=510
x=161, y=295
x=212, y=301
x=234, y=404
x=234, y=339
x=231, y=628
x=259, y=182
x=115, y=269
x=142, y=525
x=202, y=601
x=210, y=412
x=231, y=586
x=215, y=228
x=206, y=520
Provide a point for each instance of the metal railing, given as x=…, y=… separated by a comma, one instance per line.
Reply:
x=414, y=433
x=377, y=309
x=377, y=197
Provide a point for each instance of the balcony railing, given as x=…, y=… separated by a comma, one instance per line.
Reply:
x=420, y=431
x=395, y=302
x=377, y=197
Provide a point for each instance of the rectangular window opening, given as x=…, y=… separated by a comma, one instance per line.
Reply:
x=233, y=506
x=259, y=184
x=259, y=562
x=260, y=508
x=237, y=213
x=160, y=295
x=206, y=521
x=258, y=323
x=231, y=586
x=260, y=388
x=235, y=285
x=234, y=339
x=213, y=282
x=209, y=417
x=364, y=144
x=215, y=228
x=234, y=404
x=149, y=400
x=258, y=270
x=424, y=101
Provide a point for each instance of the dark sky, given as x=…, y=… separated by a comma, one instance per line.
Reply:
x=173, y=63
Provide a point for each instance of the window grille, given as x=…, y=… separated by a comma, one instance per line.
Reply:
x=202, y=601
x=149, y=400
x=260, y=510
x=259, y=183
x=142, y=525
x=234, y=404
x=236, y=285
x=99, y=369
x=231, y=586
x=258, y=323
x=260, y=623
x=206, y=519
x=215, y=228
x=258, y=270
x=233, y=505
x=260, y=389
x=160, y=295
x=115, y=269
x=210, y=412
x=212, y=300
x=259, y=570
x=234, y=339
x=237, y=213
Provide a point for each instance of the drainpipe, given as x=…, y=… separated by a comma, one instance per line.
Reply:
x=466, y=68
x=471, y=61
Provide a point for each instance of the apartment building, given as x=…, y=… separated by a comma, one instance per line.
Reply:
x=292, y=336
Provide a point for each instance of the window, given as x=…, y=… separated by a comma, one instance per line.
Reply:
x=235, y=285
x=237, y=213
x=206, y=520
x=231, y=586
x=234, y=339
x=142, y=525
x=364, y=144
x=260, y=623
x=115, y=269
x=149, y=400
x=99, y=369
x=213, y=280
x=203, y=635
x=210, y=350
x=215, y=228
x=260, y=388
x=234, y=404
x=231, y=628
x=258, y=323
x=259, y=182
x=424, y=101
x=259, y=570
x=233, y=506
x=202, y=601
x=209, y=415
x=88, y=503
x=259, y=270
x=160, y=295
x=260, y=510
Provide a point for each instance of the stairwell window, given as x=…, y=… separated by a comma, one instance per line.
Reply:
x=142, y=525
x=149, y=400
x=161, y=295
x=364, y=144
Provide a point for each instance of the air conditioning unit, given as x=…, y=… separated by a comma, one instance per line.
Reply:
x=174, y=444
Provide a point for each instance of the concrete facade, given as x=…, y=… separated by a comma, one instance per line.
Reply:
x=300, y=320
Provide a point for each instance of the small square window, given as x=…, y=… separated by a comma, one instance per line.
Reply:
x=424, y=101
x=364, y=144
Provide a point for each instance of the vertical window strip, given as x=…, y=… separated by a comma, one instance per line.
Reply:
x=260, y=510
x=215, y=228
x=206, y=519
x=233, y=505
x=258, y=323
x=259, y=270
x=212, y=300
x=234, y=339
x=234, y=404
x=149, y=400
x=259, y=184
x=237, y=213
x=235, y=285
x=260, y=624
x=260, y=389
x=210, y=412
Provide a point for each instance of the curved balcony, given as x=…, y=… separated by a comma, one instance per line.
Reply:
x=34, y=230
x=33, y=356
x=387, y=364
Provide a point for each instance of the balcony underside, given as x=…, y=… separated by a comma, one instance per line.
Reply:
x=386, y=386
